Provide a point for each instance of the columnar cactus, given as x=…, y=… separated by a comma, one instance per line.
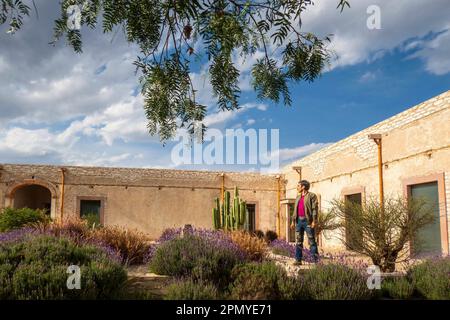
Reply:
x=230, y=215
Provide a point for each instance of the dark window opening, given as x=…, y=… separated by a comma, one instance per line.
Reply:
x=352, y=233
x=428, y=239
x=91, y=211
x=251, y=208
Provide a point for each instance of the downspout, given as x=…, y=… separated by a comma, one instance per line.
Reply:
x=278, y=205
x=62, y=193
x=380, y=173
x=377, y=139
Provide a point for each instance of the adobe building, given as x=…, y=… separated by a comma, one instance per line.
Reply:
x=415, y=149
x=150, y=200
x=415, y=162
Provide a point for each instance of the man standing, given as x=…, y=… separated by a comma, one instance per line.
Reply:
x=305, y=216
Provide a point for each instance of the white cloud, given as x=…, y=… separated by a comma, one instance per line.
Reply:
x=287, y=154
x=435, y=53
x=354, y=43
x=369, y=76
x=223, y=117
x=97, y=159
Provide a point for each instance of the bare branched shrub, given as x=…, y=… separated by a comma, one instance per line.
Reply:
x=382, y=233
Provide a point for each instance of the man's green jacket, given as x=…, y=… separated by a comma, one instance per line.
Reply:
x=311, y=207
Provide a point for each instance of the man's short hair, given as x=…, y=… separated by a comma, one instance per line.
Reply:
x=304, y=183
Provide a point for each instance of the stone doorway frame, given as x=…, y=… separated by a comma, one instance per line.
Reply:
x=11, y=191
x=439, y=178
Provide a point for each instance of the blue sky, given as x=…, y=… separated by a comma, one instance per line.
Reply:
x=58, y=107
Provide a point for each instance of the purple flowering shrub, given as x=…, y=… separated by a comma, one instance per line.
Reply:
x=73, y=231
x=188, y=289
x=336, y=282
x=36, y=268
x=217, y=237
x=347, y=259
x=263, y=281
x=431, y=278
x=284, y=248
x=204, y=255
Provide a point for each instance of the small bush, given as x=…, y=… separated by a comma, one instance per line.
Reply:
x=293, y=288
x=202, y=258
x=270, y=236
x=36, y=268
x=431, y=279
x=336, y=282
x=17, y=218
x=397, y=288
x=92, y=220
x=263, y=281
x=255, y=248
x=188, y=289
x=132, y=245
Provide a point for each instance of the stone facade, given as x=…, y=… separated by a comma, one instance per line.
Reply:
x=147, y=199
x=415, y=147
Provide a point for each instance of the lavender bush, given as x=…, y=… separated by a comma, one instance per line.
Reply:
x=26, y=233
x=217, y=238
x=287, y=249
x=204, y=255
x=336, y=282
x=36, y=268
x=346, y=259
x=431, y=278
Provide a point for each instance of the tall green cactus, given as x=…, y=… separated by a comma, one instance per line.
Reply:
x=231, y=214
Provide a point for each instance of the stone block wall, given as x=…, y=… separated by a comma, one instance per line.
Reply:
x=415, y=144
x=147, y=199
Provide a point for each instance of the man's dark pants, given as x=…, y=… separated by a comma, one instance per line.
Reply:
x=301, y=228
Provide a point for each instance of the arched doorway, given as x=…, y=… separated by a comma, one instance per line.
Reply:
x=34, y=194
x=34, y=197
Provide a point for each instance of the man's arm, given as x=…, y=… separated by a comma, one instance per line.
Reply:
x=294, y=214
x=315, y=207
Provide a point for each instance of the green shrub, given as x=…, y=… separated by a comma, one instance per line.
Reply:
x=397, y=288
x=196, y=257
x=431, y=279
x=17, y=218
x=36, y=268
x=264, y=281
x=189, y=289
x=92, y=220
x=336, y=282
x=293, y=288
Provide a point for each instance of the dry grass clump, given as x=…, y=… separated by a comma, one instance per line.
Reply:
x=133, y=245
x=255, y=247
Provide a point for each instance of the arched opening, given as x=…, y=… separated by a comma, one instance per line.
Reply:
x=34, y=197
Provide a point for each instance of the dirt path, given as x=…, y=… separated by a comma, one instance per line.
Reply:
x=140, y=280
